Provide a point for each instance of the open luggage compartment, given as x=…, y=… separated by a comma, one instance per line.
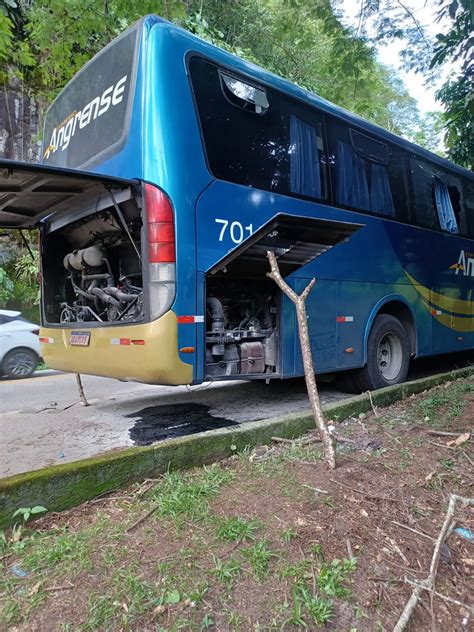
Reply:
x=241, y=328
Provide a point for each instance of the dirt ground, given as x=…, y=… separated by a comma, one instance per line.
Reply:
x=269, y=539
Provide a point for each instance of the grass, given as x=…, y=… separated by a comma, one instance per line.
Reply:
x=184, y=497
x=259, y=556
x=237, y=529
x=227, y=572
x=444, y=404
x=311, y=606
x=333, y=577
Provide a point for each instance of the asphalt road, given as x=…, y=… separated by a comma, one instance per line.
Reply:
x=42, y=421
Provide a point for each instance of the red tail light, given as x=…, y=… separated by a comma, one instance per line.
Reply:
x=160, y=221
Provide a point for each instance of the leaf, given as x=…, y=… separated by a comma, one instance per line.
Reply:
x=173, y=597
x=462, y=438
x=19, y=512
x=38, y=509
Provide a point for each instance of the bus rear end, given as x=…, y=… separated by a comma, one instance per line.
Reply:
x=108, y=285
x=108, y=232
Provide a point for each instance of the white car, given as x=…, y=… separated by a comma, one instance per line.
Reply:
x=19, y=345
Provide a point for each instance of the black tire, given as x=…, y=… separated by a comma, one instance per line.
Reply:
x=19, y=363
x=388, y=355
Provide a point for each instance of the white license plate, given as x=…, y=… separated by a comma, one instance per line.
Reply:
x=80, y=338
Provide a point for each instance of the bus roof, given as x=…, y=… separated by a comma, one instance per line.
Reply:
x=266, y=77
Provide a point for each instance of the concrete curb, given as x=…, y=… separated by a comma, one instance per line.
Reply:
x=63, y=486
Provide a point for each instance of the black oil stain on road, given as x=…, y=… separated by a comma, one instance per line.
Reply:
x=174, y=420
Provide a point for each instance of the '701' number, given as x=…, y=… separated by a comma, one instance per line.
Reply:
x=236, y=230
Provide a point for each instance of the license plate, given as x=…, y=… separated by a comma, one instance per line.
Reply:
x=80, y=338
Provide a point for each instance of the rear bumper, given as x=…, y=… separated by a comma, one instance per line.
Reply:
x=111, y=353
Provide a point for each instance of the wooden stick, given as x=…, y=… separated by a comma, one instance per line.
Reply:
x=299, y=302
x=298, y=440
x=372, y=403
x=439, y=433
x=464, y=453
x=316, y=489
x=430, y=582
x=441, y=445
x=142, y=519
x=81, y=390
x=404, y=526
x=282, y=440
x=441, y=596
x=55, y=588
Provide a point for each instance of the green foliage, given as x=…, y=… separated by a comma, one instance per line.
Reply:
x=319, y=610
x=27, y=512
x=333, y=576
x=7, y=288
x=226, y=571
x=237, y=529
x=305, y=43
x=180, y=495
x=451, y=48
x=19, y=288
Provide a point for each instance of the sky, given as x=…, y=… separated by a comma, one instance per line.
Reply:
x=425, y=12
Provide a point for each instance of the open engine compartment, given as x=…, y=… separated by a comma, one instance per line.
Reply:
x=92, y=269
x=242, y=322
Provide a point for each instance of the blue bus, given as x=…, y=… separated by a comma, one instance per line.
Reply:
x=165, y=157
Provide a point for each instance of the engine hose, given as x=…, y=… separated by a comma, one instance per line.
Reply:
x=121, y=296
x=80, y=292
x=106, y=298
x=217, y=314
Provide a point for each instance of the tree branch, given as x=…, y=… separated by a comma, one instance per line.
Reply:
x=299, y=301
x=430, y=582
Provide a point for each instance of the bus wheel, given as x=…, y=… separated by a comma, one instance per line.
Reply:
x=388, y=355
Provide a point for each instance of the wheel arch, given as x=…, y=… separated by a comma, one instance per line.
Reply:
x=394, y=305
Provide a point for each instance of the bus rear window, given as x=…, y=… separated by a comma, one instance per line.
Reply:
x=88, y=121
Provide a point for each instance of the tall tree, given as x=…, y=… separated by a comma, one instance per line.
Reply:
x=453, y=49
x=304, y=42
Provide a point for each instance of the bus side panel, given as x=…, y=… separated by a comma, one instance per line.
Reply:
x=321, y=311
x=436, y=266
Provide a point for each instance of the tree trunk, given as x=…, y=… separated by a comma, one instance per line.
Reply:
x=299, y=301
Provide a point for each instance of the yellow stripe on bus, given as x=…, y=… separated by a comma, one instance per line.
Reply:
x=442, y=301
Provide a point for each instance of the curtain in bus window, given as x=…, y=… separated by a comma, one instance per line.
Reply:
x=447, y=218
x=304, y=159
x=351, y=180
x=381, y=201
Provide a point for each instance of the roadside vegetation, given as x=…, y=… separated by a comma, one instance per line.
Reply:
x=267, y=540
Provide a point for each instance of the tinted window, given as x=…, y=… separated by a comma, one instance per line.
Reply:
x=89, y=117
x=256, y=136
x=438, y=197
x=468, y=190
x=367, y=174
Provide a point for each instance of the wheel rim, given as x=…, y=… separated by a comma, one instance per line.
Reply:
x=21, y=363
x=389, y=356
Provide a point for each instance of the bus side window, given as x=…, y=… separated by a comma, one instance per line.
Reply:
x=444, y=205
x=422, y=179
x=257, y=136
x=306, y=147
x=468, y=191
x=364, y=173
x=438, y=198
